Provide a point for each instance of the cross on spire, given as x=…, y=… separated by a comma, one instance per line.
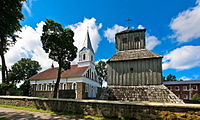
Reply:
x=128, y=22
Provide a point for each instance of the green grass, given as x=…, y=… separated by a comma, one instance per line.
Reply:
x=52, y=112
x=4, y=119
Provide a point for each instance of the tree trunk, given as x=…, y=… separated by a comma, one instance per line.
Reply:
x=56, y=88
x=6, y=71
x=2, y=60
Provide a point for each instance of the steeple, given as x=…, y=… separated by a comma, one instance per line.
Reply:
x=86, y=54
x=87, y=42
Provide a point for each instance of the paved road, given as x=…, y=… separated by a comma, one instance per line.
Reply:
x=16, y=114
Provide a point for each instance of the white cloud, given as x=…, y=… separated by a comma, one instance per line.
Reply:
x=28, y=45
x=185, y=78
x=182, y=58
x=186, y=25
x=80, y=30
x=110, y=32
x=140, y=27
x=27, y=6
x=151, y=41
x=105, y=60
x=196, y=76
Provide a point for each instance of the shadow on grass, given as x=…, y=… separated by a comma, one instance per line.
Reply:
x=36, y=116
x=29, y=113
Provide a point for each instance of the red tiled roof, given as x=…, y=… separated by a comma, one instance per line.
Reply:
x=51, y=73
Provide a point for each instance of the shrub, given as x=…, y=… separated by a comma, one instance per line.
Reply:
x=196, y=97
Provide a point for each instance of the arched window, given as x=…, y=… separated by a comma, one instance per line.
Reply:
x=89, y=74
x=74, y=86
x=83, y=56
x=92, y=76
x=91, y=57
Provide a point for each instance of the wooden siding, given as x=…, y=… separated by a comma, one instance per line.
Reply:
x=131, y=42
x=144, y=72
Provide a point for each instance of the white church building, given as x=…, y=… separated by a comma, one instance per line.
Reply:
x=80, y=81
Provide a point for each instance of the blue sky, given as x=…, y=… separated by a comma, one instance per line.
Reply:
x=173, y=29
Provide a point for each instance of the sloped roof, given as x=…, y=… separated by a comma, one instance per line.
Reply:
x=87, y=43
x=181, y=82
x=51, y=73
x=130, y=31
x=133, y=54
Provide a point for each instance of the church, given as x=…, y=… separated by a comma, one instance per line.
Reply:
x=79, y=82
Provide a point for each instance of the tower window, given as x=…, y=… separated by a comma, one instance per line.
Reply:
x=83, y=56
x=124, y=40
x=137, y=39
x=131, y=69
x=91, y=57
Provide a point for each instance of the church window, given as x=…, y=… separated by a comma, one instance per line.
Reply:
x=83, y=56
x=86, y=87
x=137, y=39
x=131, y=69
x=74, y=86
x=89, y=73
x=40, y=87
x=91, y=57
x=64, y=86
x=92, y=75
x=50, y=86
x=44, y=87
x=124, y=40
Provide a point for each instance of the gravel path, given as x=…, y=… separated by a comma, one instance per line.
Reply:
x=16, y=114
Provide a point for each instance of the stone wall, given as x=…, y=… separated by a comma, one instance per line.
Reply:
x=100, y=107
x=148, y=93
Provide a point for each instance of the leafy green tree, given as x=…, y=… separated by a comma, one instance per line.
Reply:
x=23, y=69
x=8, y=89
x=101, y=71
x=10, y=16
x=196, y=97
x=58, y=42
x=170, y=77
x=25, y=88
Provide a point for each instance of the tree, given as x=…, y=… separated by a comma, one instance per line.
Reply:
x=23, y=69
x=101, y=71
x=170, y=77
x=58, y=42
x=11, y=14
x=196, y=97
x=25, y=88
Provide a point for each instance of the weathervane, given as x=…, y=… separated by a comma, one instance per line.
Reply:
x=128, y=21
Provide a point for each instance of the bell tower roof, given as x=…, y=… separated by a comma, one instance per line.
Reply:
x=87, y=42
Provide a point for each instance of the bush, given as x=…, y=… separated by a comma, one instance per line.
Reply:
x=196, y=97
x=25, y=88
x=8, y=89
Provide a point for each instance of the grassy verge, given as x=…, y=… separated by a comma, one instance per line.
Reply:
x=4, y=119
x=52, y=112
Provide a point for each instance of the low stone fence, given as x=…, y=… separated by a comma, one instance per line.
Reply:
x=99, y=107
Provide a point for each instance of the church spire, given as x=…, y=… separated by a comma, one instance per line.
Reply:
x=87, y=42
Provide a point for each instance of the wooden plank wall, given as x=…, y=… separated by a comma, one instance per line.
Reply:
x=145, y=72
x=131, y=43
